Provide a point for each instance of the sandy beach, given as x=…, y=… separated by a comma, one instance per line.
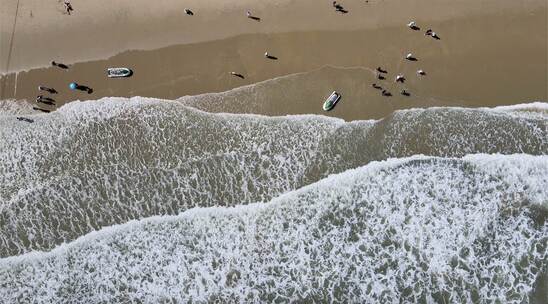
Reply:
x=102, y=28
x=484, y=57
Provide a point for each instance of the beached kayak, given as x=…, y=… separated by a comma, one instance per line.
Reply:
x=119, y=72
x=331, y=101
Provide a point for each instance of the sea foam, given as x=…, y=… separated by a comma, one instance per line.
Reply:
x=96, y=164
x=414, y=229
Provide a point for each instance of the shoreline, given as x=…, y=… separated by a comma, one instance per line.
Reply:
x=462, y=69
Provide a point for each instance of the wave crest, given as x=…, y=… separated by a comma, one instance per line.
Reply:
x=95, y=164
x=417, y=229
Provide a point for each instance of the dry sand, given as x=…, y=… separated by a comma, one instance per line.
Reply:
x=490, y=52
x=101, y=28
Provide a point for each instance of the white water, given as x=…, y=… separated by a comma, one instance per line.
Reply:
x=95, y=164
x=413, y=229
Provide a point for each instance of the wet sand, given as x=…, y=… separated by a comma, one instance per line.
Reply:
x=484, y=60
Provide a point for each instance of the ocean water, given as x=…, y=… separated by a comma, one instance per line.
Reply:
x=154, y=201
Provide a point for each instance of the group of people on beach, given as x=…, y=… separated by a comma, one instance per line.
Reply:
x=49, y=101
x=41, y=99
x=400, y=78
x=380, y=72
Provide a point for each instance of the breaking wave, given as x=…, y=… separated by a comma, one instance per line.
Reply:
x=15, y=107
x=96, y=164
x=413, y=229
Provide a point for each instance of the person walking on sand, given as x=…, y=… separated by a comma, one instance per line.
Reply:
x=25, y=119
x=59, y=65
x=380, y=70
x=250, y=16
x=49, y=90
x=237, y=75
x=413, y=25
x=68, y=6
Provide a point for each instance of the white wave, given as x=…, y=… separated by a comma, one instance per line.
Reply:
x=532, y=110
x=537, y=110
x=87, y=159
x=420, y=228
x=518, y=170
x=15, y=107
x=538, y=105
x=95, y=164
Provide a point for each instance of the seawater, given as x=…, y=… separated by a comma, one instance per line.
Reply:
x=153, y=201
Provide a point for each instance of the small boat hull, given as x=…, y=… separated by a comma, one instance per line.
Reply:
x=331, y=101
x=119, y=72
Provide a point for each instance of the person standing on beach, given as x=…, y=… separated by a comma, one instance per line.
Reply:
x=68, y=6
x=60, y=65
x=49, y=90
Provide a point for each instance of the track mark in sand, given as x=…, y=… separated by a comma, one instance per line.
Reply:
x=10, y=51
